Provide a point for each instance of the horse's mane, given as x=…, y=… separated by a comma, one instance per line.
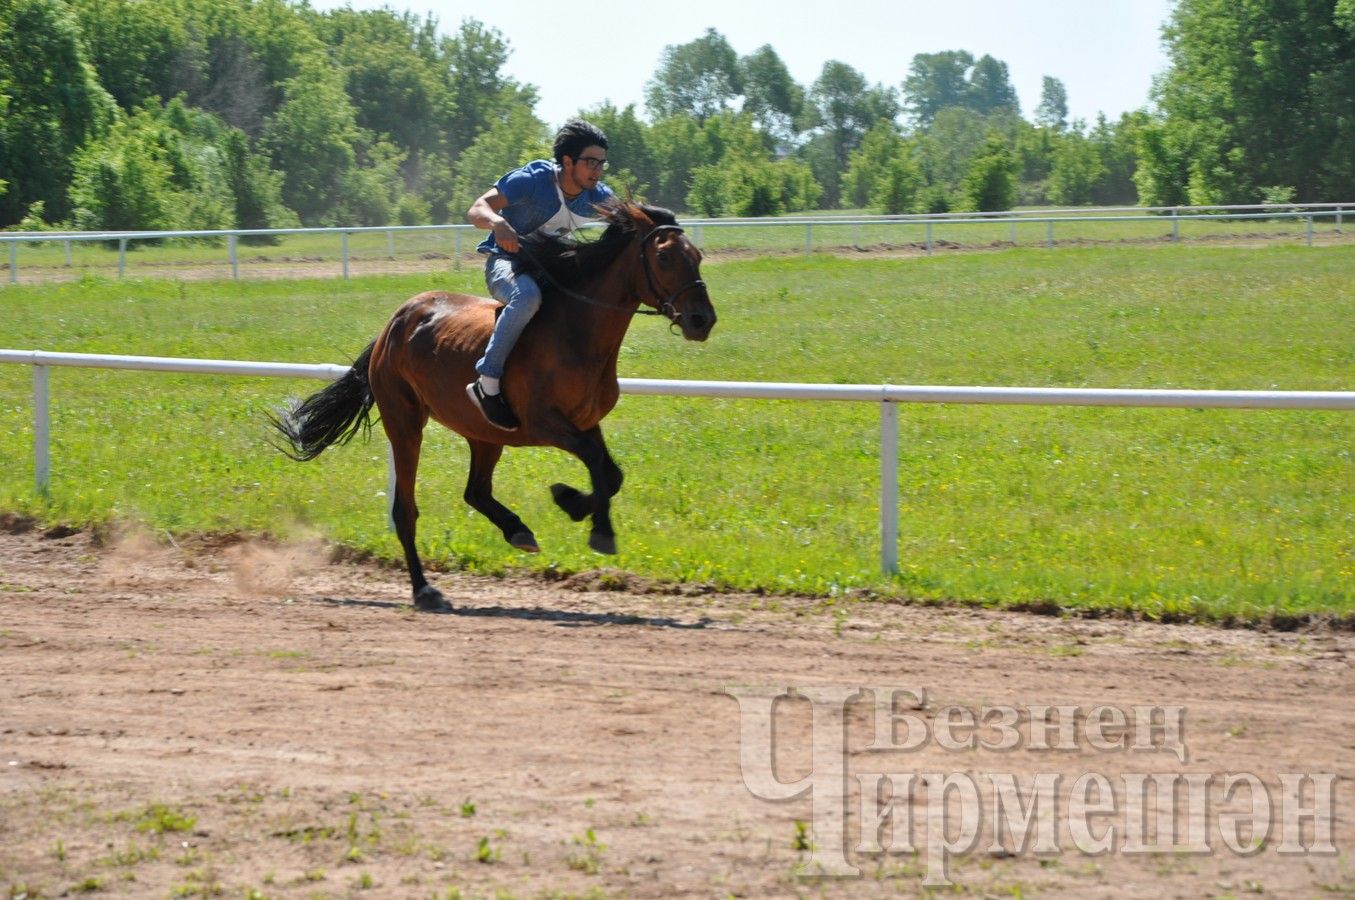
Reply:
x=569, y=262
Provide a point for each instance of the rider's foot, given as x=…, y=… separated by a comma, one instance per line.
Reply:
x=494, y=408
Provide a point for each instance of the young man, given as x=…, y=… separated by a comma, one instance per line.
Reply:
x=554, y=197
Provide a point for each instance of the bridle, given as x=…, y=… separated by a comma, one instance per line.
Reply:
x=663, y=306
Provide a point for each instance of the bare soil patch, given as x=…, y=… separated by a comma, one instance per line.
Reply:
x=220, y=717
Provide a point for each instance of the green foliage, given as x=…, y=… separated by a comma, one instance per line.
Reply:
x=1076, y=170
x=699, y=78
x=1255, y=97
x=518, y=138
x=990, y=183
x=54, y=104
x=312, y=139
x=1052, y=113
x=881, y=174
x=158, y=169
x=771, y=96
x=134, y=46
x=846, y=109
x=680, y=147
x=745, y=182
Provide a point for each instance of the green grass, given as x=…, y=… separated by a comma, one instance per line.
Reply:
x=1244, y=515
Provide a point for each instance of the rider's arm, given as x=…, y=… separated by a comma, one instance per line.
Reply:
x=484, y=213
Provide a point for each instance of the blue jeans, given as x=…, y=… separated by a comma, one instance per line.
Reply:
x=522, y=298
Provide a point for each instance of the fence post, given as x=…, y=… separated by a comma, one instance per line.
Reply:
x=1338, y=219
x=13, y=262
x=1011, y=232
x=231, y=248
x=122, y=256
x=343, y=249
x=1310, y=229
x=929, y=238
x=696, y=237
x=889, y=487
x=856, y=235
x=809, y=239
x=42, y=430
x=1176, y=227
x=69, y=261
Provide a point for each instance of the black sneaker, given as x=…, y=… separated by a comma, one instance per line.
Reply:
x=492, y=406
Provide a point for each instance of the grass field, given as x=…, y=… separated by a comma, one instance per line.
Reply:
x=1226, y=515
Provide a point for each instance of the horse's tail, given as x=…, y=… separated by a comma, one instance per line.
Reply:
x=330, y=416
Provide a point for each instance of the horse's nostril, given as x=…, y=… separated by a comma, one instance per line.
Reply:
x=698, y=321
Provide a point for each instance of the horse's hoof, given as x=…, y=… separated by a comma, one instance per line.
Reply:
x=602, y=543
x=525, y=541
x=430, y=599
x=571, y=501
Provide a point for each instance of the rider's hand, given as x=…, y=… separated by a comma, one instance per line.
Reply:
x=505, y=236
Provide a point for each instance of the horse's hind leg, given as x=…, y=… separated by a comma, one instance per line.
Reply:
x=606, y=477
x=404, y=422
x=479, y=494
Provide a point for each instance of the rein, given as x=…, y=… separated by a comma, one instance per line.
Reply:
x=665, y=306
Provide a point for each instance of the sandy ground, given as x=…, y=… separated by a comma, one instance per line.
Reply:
x=223, y=718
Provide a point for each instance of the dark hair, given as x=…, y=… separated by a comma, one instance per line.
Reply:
x=575, y=137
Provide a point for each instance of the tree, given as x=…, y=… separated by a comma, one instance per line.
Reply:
x=482, y=95
x=936, y=81
x=55, y=105
x=880, y=146
x=159, y=168
x=514, y=139
x=1052, y=113
x=990, y=89
x=990, y=183
x=1115, y=147
x=131, y=45
x=312, y=139
x=771, y=96
x=632, y=167
x=1260, y=95
x=391, y=73
x=945, y=151
x=699, y=78
x=1076, y=170
x=680, y=147
x=846, y=109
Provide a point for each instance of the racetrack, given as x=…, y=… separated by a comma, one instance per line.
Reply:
x=226, y=717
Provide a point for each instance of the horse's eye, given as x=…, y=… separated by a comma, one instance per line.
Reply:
x=663, y=257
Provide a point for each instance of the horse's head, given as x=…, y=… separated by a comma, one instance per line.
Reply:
x=672, y=280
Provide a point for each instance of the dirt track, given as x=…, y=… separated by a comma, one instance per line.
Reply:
x=227, y=717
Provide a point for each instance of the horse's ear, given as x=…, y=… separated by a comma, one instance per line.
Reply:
x=638, y=216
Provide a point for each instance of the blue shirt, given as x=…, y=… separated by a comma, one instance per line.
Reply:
x=534, y=200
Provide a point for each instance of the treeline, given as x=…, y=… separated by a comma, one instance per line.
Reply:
x=168, y=114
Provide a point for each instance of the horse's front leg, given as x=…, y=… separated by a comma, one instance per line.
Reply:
x=606, y=476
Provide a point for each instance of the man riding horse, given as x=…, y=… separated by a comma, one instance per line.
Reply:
x=548, y=197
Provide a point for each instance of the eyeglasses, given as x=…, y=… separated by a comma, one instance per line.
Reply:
x=594, y=162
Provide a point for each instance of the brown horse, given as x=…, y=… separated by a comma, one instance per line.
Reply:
x=560, y=379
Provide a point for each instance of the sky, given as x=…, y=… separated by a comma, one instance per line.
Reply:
x=580, y=53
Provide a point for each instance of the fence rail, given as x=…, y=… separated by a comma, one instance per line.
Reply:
x=887, y=396
x=1307, y=213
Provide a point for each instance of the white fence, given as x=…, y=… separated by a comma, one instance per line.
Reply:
x=1307, y=213
x=887, y=396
